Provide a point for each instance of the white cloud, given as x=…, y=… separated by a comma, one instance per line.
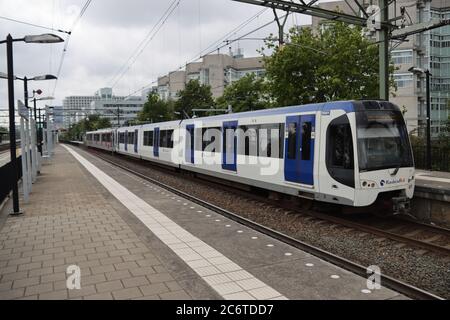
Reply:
x=109, y=32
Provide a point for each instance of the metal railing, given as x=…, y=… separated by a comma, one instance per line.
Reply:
x=440, y=159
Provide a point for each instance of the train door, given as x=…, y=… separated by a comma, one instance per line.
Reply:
x=299, y=149
x=190, y=141
x=126, y=140
x=229, y=145
x=156, y=142
x=136, y=140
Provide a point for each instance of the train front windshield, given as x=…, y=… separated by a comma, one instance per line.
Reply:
x=382, y=140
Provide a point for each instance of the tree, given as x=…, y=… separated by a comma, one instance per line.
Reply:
x=155, y=109
x=195, y=95
x=335, y=64
x=246, y=94
x=91, y=123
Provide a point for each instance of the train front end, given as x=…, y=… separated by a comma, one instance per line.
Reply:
x=384, y=157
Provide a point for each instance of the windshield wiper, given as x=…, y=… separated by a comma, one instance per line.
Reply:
x=395, y=171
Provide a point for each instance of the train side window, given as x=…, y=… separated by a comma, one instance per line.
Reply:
x=306, y=140
x=170, y=139
x=248, y=140
x=130, y=137
x=162, y=138
x=148, y=138
x=271, y=138
x=281, y=141
x=211, y=139
x=339, y=151
x=166, y=138
x=205, y=138
x=292, y=140
x=251, y=141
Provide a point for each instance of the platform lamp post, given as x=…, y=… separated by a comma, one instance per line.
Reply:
x=42, y=38
x=39, y=91
x=420, y=71
x=25, y=89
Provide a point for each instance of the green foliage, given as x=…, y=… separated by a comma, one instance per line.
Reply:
x=336, y=64
x=156, y=110
x=447, y=127
x=3, y=129
x=91, y=123
x=246, y=94
x=195, y=95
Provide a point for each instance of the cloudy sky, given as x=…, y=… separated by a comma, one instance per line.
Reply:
x=110, y=31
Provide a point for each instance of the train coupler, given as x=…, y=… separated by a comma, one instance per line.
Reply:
x=401, y=205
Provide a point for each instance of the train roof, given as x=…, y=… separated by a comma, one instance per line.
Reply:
x=344, y=105
x=347, y=106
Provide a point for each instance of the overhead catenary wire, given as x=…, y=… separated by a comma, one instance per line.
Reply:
x=35, y=25
x=225, y=36
x=66, y=43
x=215, y=43
x=144, y=43
x=136, y=50
x=215, y=49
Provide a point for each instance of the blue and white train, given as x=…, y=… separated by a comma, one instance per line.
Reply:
x=353, y=153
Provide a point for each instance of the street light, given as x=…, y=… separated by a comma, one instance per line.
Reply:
x=25, y=87
x=43, y=38
x=39, y=130
x=420, y=71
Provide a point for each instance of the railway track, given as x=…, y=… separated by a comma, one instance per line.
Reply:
x=389, y=282
x=4, y=146
x=414, y=234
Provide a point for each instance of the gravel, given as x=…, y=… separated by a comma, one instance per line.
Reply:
x=426, y=270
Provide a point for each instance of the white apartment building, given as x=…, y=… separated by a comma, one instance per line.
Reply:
x=104, y=103
x=118, y=111
x=76, y=107
x=215, y=70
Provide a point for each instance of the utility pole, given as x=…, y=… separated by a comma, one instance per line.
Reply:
x=12, y=125
x=280, y=26
x=384, y=50
x=118, y=116
x=427, y=73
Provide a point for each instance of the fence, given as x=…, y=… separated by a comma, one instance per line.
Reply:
x=7, y=176
x=440, y=160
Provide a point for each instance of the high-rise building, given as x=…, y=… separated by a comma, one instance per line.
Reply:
x=215, y=70
x=119, y=111
x=427, y=50
x=104, y=103
x=76, y=107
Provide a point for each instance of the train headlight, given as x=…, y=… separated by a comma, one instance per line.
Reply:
x=368, y=184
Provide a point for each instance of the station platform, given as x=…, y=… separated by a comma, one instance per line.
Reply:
x=135, y=240
x=433, y=180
